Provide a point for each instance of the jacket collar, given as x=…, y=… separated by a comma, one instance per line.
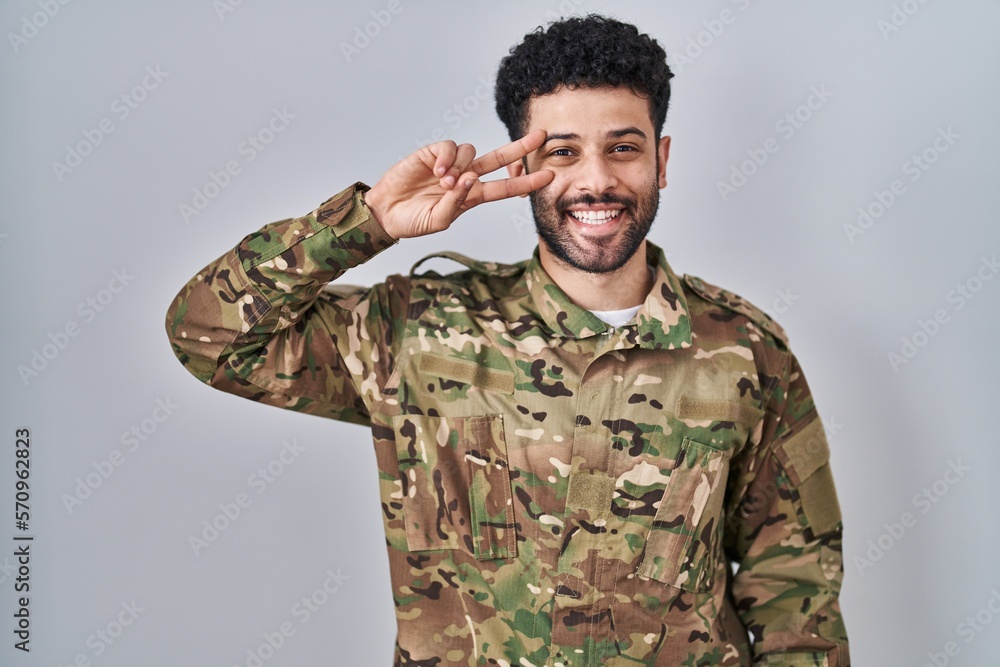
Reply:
x=663, y=320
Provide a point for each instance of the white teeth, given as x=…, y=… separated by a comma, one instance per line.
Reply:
x=594, y=217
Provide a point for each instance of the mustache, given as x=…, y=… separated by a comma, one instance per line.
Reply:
x=562, y=205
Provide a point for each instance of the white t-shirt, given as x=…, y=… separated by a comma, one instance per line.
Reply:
x=618, y=318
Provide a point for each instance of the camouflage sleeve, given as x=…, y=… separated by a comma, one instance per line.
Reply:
x=785, y=533
x=261, y=322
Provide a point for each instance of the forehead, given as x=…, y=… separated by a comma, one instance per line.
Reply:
x=588, y=111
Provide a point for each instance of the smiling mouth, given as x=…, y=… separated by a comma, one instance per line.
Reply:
x=595, y=218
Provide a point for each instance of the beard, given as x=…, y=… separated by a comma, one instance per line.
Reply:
x=594, y=255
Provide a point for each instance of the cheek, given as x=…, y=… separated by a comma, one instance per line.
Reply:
x=556, y=189
x=638, y=174
x=572, y=181
x=562, y=175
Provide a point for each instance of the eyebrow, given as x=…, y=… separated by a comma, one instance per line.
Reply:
x=612, y=134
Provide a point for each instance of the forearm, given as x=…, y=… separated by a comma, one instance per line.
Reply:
x=788, y=585
x=785, y=531
x=244, y=323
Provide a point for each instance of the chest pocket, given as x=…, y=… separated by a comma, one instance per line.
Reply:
x=455, y=483
x=684, y=547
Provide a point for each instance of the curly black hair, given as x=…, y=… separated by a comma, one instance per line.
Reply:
x=589, y=51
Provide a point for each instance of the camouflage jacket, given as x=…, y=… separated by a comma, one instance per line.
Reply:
x=555, y=491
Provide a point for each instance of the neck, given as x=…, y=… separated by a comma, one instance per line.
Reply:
x=626, y=287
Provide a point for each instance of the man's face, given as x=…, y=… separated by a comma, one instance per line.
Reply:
x=608, y=169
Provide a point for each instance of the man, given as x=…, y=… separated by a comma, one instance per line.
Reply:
x=571, y=449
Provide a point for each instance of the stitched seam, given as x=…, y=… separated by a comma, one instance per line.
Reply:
x=763, y=404
x=509, y=503
x=614, y=476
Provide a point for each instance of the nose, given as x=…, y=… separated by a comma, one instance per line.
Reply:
x=595, y=175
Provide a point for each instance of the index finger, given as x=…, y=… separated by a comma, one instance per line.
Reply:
x=508, y=154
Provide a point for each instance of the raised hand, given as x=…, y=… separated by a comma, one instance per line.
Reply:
x=425, y=192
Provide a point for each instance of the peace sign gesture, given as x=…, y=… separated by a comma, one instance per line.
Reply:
x=426, y=191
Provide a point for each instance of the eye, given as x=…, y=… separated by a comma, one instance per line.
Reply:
x=624, y=148
x=561, y=152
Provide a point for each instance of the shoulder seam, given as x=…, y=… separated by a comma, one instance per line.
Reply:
x=742, y=307
x=476, y=266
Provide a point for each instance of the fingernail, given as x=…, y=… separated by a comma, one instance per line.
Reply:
x=449, y=181
x=439, y=171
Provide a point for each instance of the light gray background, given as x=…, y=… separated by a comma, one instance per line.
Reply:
x=846, y=305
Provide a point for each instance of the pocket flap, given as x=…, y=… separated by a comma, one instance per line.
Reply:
x=682, y=545
x=455, y=484
x=804, y=452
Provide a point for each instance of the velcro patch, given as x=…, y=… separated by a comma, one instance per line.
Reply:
x=802, y=454
x=819, y=501
x=591, y=492
x=469, y=372
x=806, y=458
x=717, y=410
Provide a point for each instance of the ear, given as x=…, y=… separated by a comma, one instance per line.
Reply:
x=515, y=169
x=663, y=150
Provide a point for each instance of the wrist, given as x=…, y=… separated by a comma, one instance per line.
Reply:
x=373, y=203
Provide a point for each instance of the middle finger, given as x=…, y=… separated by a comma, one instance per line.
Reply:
x=510, y=153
